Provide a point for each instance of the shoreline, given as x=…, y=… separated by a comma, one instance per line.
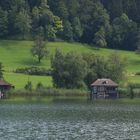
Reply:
x=70, y=99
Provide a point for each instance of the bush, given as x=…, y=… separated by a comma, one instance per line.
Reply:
x=39, y=86
x=134, y=90
x=69, y=70
x=123, y=92
x=28, y=86
x=34, y=71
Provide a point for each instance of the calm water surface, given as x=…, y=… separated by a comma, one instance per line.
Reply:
x=69, y=121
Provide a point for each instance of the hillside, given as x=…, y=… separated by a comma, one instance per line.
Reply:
x=16, y=54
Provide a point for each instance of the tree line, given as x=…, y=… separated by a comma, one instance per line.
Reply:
x=113, y=24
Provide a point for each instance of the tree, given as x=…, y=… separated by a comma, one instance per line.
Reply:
x=52, y=30
x=3, y=23
x=77, y=29
x=113, y=67
x=91, y=73
x=1, y=71
x=100, y=38
x=68, y=31
x=125, y=33
x=115, y=8
x=116, y=67
x=61, y=8
x=23, y=23
x=39, y=48
x=35, y=21
x=44, y=17
x=68, y=70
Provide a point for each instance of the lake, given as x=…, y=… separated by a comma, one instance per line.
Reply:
x=68, y=120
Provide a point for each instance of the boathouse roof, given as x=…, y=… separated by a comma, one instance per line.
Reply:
x=4, y=83
x=104, y=82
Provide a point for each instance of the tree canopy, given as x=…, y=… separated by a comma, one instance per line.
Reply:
x=72, y=70
x=112, y=23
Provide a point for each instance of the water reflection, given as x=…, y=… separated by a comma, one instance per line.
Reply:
x=69, y=121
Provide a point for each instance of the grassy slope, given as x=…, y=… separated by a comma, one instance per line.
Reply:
x=16, y=54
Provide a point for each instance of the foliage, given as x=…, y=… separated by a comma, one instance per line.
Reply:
x=134, y=90
x=15, y=54
x=123, y=93
x=77, y=28
x=94, y=18
x=23, y=23
x=39, y=87
x=116, y=67
x=125, y=33
x=34, y=71
x=68, y=70
x=39, y=48
x=68, y=31
x=113, y=67
x=100, y=38
x=3, y=23
x=113, y=24
x=28, y=86
x=72, y=70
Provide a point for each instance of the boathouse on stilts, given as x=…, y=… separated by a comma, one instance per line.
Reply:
x=104, y=89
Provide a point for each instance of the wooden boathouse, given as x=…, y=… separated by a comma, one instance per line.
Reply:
x=4, y=87
x=104, y=89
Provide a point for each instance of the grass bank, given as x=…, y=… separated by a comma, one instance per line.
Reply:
x=16, y=54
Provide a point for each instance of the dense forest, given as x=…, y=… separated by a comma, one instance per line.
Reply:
x=104, y=23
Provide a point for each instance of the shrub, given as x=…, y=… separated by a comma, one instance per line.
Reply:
x=123, y=92
x=134, y=90
x=34, y=71
x=39, y=86
x=28, y=86
x=69, y=70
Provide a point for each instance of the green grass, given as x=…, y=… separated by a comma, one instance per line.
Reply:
x=16, y=54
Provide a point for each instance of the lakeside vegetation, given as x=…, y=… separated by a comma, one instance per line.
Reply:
x=16, y=54
x=90, y=27
x=67, y=99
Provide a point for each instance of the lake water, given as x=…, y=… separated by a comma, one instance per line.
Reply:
x=69, y=121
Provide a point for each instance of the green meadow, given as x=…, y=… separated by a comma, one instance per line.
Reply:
x=16, y=54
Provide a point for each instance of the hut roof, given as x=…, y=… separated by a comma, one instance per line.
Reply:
x=4, y=83
x=104, y=82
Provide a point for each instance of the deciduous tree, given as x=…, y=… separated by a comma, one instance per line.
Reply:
x=23, y=23
x=68, y=70
x=39, y=48
x=3, y=23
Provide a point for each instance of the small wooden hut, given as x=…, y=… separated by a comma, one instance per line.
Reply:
x=104, y=88
x=4, y=87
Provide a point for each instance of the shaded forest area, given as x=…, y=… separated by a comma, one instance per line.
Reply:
x=104, y=23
